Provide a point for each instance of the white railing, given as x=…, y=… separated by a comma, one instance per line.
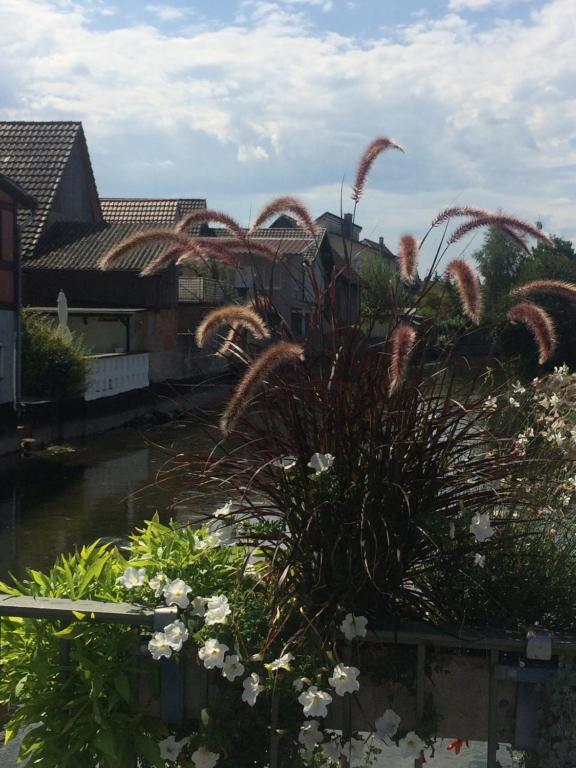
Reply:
x=110, y=375
x=200, y=290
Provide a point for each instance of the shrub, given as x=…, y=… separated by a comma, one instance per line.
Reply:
x=51, y=366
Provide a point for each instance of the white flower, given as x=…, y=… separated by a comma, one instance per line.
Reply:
x=285, y=462
x=252, y=688
x=157, y=583
x=315, y=702
x=217, y=609
x=225, y=510
x=176, y=593
x=479, y=560
x=310, y=735
x=282, y=663
x=132, y=577
x=320, y=462
x=344, y=680
x=212, y=653
x=513, y=402
x=387, y=724
x=299, y=683
x=354, y=626
x=232, y=668
x=411, y=745
x=202, y=758
x=481, y=527
x=354, y=750
x=221, y=533
x=170, y=748
x=159, y=646
x=490, y=404
x=176, y=635
x=199, y=606
x=331, y=750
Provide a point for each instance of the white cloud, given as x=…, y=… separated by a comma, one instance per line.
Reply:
x=486, y=115
x=166, y=12
x=478, y=5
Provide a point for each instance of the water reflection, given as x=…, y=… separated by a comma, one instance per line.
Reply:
x=104, y=488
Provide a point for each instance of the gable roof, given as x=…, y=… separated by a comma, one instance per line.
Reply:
x=79, y=246
x=34, y=155
x=161, y=211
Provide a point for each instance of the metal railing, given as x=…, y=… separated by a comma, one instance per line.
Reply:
x=495, y=645
x=200, y=290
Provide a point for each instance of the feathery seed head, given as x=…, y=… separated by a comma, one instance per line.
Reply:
x=371, y=153
x=541, y=325
x=279, y=355
x=468, y=286
x=551, y=287
x=291, y=205
x=408, y=256
x=403, y=342
x=235, y=316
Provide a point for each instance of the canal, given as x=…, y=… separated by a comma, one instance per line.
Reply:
x=102, y=487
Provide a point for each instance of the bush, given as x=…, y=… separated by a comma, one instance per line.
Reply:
x=51, y=367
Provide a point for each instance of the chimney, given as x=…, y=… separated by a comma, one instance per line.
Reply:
x=347, y=227
x=381, y=242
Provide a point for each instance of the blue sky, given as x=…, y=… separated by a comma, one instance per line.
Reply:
x=238, y=101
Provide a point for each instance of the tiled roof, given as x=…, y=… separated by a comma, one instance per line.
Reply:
x=164, y=212
x=80, y=246
x=16, y=192
x=294, y=241
x=34, y=155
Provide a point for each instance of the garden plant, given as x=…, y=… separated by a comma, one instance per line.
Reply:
x=369, y=484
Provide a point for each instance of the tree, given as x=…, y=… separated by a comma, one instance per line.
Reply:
x=546, y=262
x=500, y=262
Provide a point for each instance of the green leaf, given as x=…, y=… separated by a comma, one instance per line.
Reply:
x=79, y=615
x=20, y=685
x=8, y=735
x=92, y=573
x=122, y=685
x=9, y=590
x=68, y=631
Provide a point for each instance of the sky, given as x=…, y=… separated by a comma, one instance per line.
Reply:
x=239, y=101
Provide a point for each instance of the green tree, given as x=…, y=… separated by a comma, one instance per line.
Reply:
x=500, y=262
x=547, y=262
x=51, y=366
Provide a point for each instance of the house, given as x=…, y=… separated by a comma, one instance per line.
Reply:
x=71, y=229
x=14, y=201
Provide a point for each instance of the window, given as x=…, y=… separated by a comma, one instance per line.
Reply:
x=6, y=234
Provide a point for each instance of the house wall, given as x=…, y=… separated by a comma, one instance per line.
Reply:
x=100, y=334
x=92, y=288
x=76, y=199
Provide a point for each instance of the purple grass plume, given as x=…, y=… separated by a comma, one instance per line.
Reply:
x=235, y=316
x=277, y=356
x=403, y=342
x=540, y=324
x=287, y=205
x=468, y=286
x=550, y=287
x=408, y=256
x=371, y=153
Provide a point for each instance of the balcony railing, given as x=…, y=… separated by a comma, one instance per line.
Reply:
x=112, y=374
x=200, y=290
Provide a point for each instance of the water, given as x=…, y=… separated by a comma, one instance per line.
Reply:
x=103, y=488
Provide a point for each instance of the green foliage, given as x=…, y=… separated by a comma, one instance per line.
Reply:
x=90, y=713
x=500, y=263
x=51, y=366
x=380, y=289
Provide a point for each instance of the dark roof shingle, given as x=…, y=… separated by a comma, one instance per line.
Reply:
x=34, y=155
x=76, y=245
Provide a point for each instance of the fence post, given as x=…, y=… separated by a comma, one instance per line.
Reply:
x=172, y=673
x=420, y=699
x=492, y=711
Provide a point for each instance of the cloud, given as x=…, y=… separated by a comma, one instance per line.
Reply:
x=241, y=111
x=166, y=12
x=478, y=5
